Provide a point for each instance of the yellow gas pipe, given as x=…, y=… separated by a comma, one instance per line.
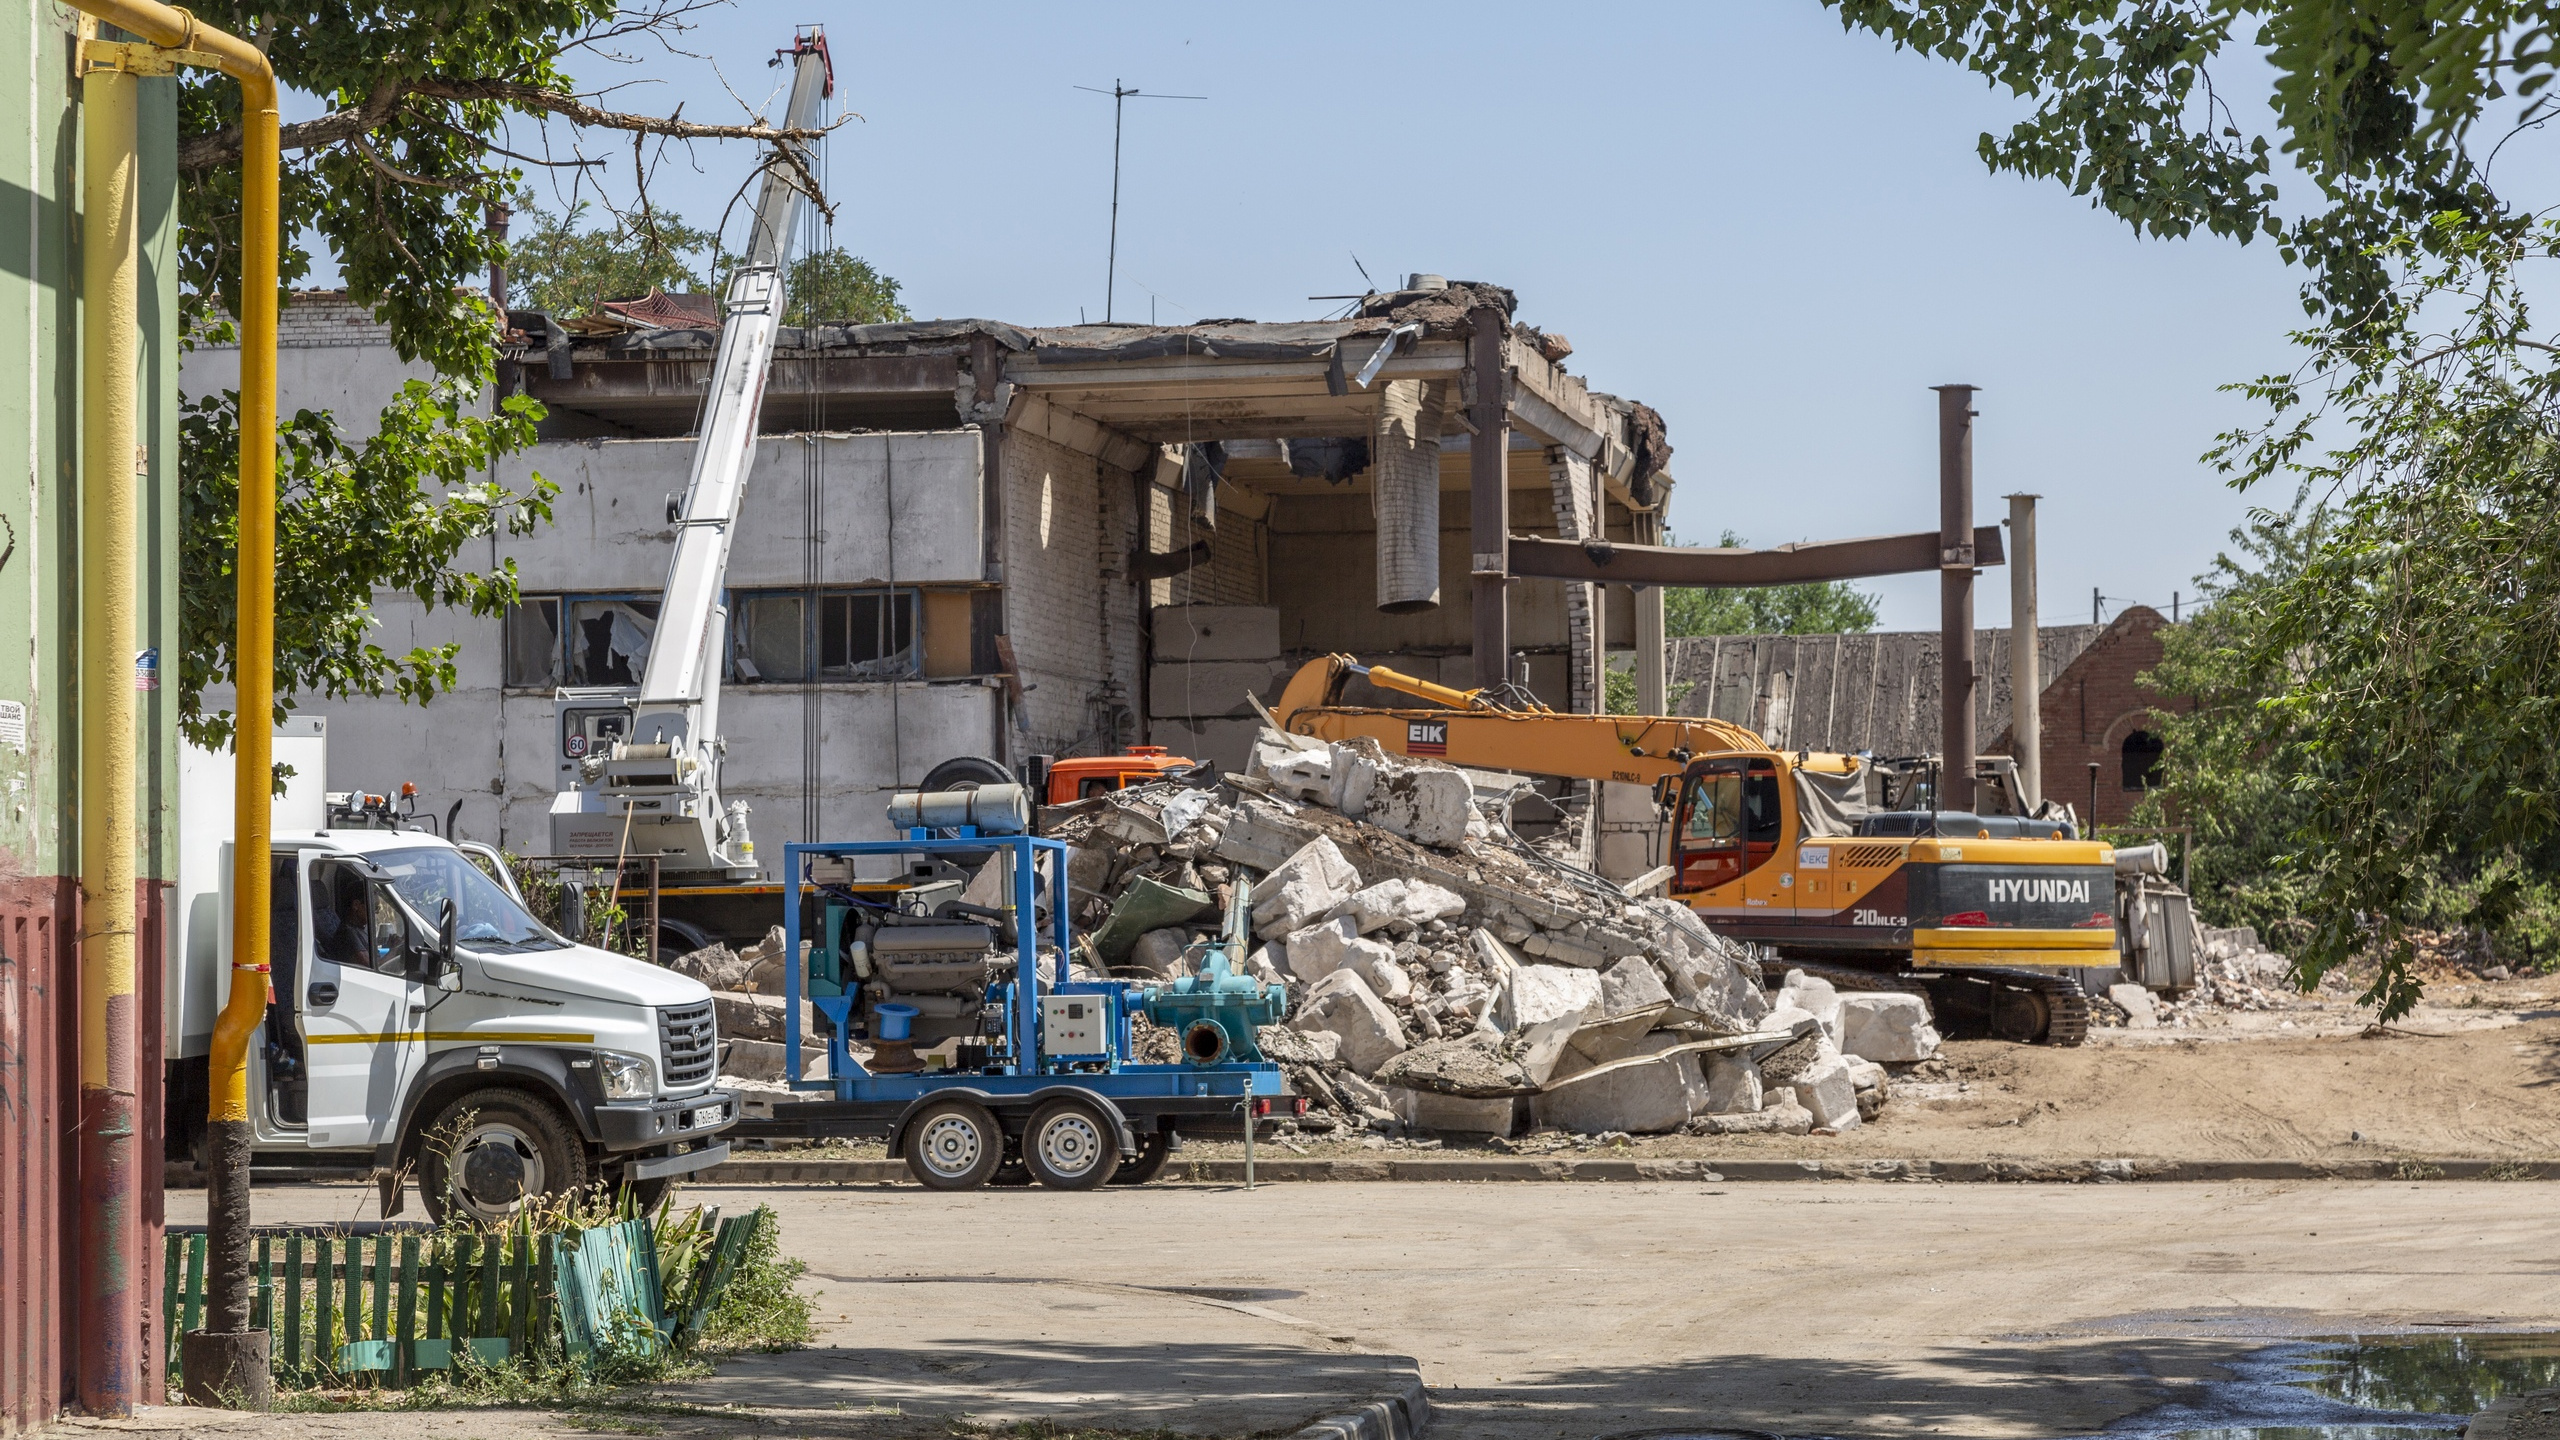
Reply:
x=171, y=36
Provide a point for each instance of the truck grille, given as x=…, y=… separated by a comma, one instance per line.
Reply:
x=687, y=1047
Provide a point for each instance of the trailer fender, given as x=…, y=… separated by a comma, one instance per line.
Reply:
x=1010, y=1110
x=1111, y=1111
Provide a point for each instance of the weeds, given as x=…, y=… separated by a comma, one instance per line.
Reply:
x=2512, y=1170
x=2417, y=1170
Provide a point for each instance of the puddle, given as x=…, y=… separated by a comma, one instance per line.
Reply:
x=2355, y=1387
x=2371, y=1387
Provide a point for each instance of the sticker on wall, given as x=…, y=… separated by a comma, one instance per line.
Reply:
x=13, y=724
x=146, y=670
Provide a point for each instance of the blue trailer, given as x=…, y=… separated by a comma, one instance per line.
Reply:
x=1034, y=1079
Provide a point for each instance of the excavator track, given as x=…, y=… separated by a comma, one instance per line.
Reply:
x=2028, y=1007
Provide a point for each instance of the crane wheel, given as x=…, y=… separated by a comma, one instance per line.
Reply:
x=954, y=1145
x=1070, y=1145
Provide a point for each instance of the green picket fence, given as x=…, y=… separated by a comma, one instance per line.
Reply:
x=338, y=1308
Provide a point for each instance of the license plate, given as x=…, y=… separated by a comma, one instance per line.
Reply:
x=709, y=1115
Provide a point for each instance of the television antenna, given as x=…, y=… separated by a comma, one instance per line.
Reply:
x=1120, y=96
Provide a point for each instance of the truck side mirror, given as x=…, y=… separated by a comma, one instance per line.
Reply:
x=448, y=971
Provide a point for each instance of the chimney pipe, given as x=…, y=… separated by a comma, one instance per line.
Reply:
x=1955, y=596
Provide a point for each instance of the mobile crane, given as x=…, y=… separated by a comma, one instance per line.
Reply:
x=1980, y=912
x=642, y=765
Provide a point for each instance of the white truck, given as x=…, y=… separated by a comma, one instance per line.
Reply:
x=420, y=1020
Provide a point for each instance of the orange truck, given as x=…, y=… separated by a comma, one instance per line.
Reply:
x=1986, y=914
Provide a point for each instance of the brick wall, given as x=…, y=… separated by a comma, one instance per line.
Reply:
x=317, y=318
x=2091, y=708
x=1070, y=611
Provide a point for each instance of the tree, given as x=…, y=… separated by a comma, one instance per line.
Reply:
x=1820, y=607
x=427, y=100
x=832, y=286
x=2404, y=655
x=563, y=267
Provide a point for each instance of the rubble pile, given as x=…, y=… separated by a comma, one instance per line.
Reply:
x=1444, y=976
x=2233, y=972
x=749, y=1010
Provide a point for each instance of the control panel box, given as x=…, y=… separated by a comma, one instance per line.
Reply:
x=1075, y=1025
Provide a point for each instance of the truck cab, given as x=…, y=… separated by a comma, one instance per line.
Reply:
x=421, y=1021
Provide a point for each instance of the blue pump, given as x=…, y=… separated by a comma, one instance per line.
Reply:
x=1217, y=1010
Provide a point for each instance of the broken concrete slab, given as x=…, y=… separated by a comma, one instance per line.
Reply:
x=1160, y=952
x=1401, y=904
x=1632, y=985
x=1825, y=1088
x=1646, y=1098
x=1452, y=1114
x=1313, y=880
x=1462, y=1066
x=763, y=1060
x=1539, y=993
x=1343, y=1004
x=1887, y=1026
x=742, y=1015
x=1733, y=1085
x=1319, y=950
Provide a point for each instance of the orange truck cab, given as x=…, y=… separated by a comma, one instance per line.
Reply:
x=1084, y=775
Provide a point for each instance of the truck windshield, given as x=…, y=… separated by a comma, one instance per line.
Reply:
x=485, y=917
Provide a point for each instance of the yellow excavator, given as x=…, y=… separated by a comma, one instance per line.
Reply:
x=1982, y=913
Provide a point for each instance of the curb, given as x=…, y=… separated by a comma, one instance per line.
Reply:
x=1492, y=1169
x=1404, y=1415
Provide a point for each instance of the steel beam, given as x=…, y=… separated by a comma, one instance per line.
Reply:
x=1728, y=567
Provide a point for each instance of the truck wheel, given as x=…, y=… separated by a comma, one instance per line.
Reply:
x=1154, y=1149
x=1069, y=1145
x=954, y=1145
x=487, y=1152
x=966, y=772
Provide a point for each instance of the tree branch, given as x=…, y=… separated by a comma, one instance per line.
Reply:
x=204, y=152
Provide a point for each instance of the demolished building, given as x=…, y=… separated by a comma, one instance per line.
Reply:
x=968, y=537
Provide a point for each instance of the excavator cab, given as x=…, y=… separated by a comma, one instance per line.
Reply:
x=1730, y=820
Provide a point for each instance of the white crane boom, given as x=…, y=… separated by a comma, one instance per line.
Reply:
x=644, y=765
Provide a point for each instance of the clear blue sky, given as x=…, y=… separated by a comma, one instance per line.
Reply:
x=1777, y=233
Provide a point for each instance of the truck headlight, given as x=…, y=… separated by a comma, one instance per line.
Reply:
x=627, y=1077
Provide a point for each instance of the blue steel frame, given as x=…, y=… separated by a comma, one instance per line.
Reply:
x=1021, y=1073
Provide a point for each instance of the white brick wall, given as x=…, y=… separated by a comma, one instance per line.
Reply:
x=1070, y=611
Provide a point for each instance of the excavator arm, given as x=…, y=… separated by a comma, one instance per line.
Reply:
x=1472, y=727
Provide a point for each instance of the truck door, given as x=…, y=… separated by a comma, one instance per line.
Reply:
x=363, y=1016
x=1730, y=822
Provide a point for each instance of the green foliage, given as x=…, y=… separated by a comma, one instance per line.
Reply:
x=563, y=267
x=840, y=288
x=763, y=1308
x=2388, y=670
x=1815, y=608
x=2378, y=104
x=389, y=514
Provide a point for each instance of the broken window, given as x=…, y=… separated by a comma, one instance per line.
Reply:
x=2142, y=759
x=533, y=642
x=609, y=638
x=829, y=635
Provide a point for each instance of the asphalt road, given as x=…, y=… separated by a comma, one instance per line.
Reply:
x=1585, y=1310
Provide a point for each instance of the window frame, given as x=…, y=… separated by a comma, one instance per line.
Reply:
x=813, y=626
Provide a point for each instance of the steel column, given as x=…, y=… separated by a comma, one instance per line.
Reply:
x=1956, y=562
x=2026, y=661
x=1489, y=496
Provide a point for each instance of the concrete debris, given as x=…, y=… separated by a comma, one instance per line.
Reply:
x=1320, y=950
x=1733, y=1085
x=1437, y=967
x=1824, y=1088
x=2135, y=1002
x=742, y=1015
x=1816, y=997
x=763, y=1060
x=715, y=965
x=1343, y=1003
x=1889, y=1026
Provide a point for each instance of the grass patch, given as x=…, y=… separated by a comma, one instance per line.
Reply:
x=2417, y=1170
x=2512, y=1170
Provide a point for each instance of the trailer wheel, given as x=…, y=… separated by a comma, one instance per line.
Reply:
x=954, y=1145
x=1069, y=1145
x=489, y=1151
x=1154, y=1149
